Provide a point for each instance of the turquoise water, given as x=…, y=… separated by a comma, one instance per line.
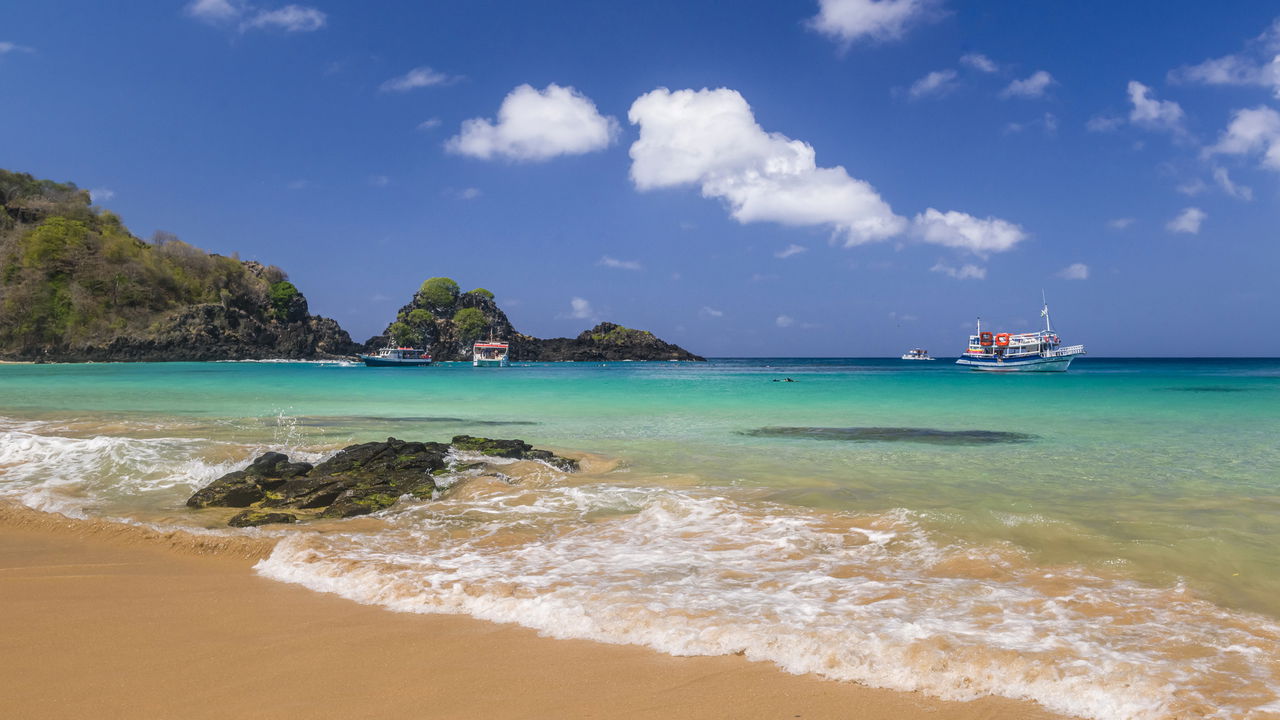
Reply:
x=1143, y=491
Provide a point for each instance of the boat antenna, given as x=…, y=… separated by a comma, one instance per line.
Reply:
x=1045, y=312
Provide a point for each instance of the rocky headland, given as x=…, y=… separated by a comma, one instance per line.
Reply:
x=359, y=479
x=447, y=321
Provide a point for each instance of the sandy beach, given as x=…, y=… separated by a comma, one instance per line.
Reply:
x=109, y=621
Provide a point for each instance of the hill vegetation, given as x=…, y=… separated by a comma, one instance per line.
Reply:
x=76, y=284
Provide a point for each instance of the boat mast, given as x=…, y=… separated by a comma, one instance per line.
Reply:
x=1045, y=312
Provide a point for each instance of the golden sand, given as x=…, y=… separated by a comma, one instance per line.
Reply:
x=100, y=620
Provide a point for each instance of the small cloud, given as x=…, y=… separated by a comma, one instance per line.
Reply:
x=902, y=317
x=966, y=232
x=379, y=298
x=429, y=124
x=1257, y=65
x=379, y=180
x=297, y=185
x=881, y=20
x=101, y=194
x=214, y=11
x=470, y=193
x=710, y=312
x=784, y=321
x=1030, y=87
x=1154, y=114
x=1074, y=271
x=763, y=277
x=964, y=272
x=1223, y=179
x=10, y=47
x=979, y=62
x=1187, y=221
x=610, y=262
x=418, y=77
x=290, y=18
x=1120, y=223
x=788, y=251
x=536, y=125
x=581, y=309
x=686, y=225
x=1192, y=188
x=1255, y=130
x=936, y=84
x=1104, y=123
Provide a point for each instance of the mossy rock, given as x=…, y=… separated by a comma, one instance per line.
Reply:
x=254, y=518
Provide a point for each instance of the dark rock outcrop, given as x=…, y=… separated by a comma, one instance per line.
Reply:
x=358, y=480
x=608, y=341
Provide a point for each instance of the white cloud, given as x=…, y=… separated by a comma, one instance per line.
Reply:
x=1074, y=271
x=297, y=184
x=710, y=138
x=710, y=312
x=610, y=262
x=966, y=232
x=290, y=18
x=784, y=321
x=536, y=125
x=1223, y=179
x=418, y=77
x=1029, y=87
x=1250, y=131
x=979, y=62
x=1187, y=221
x=902, y=317
x=8, y=47
x=1257, y=65
x=1104, y=123
x=964, y=272
x=1120, y=223
x=214, y=11
x=581, y=309
x=101, y=194
x=470, y=193
x=1151, y=113
x=937, y=83
x=429, y=124
x=853, y=20
x=788, y=251
x=379, y=180
x=1191, y=188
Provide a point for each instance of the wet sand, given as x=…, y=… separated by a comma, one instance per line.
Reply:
x=108, y=621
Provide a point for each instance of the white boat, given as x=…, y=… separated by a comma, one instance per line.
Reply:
x=490, y=353
x=397, y=357
x=1040, y=351
x=917, y=354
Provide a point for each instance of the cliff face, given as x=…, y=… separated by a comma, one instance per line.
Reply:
x=447, y=322
x=76, y=285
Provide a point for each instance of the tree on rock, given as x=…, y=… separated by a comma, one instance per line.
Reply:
x=440, y=292
x=402, y=334
x=471, y=322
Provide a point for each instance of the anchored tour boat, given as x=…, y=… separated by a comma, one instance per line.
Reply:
x=397, y=357
x=489, y=353
x=917, y=354
x=1013, y=352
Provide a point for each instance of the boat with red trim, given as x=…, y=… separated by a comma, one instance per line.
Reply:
x=1040, y=351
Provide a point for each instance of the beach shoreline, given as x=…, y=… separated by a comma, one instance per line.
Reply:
x=100, y=619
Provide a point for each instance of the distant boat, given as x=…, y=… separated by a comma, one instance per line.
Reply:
x=398, y=357
x=917, y=354
x=490, y=354
x=1020, y=352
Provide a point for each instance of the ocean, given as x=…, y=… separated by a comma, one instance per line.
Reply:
x=1101, y=541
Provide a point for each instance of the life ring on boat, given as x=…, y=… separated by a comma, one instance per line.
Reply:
x=1002, y=340
x=984, y=339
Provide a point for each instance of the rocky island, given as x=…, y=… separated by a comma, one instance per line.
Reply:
x=358, y=480
x=76, y=286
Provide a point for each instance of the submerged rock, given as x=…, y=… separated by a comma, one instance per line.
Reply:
x=895, y=434
x=358, y=480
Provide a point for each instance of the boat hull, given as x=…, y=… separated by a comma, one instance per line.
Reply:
x=1035, y=364
x=490, y=363
x=374, y=361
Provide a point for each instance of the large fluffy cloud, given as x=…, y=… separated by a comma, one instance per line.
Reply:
x=710, y=138
x=537, y=125
x=1250, y=131
x=852, y=20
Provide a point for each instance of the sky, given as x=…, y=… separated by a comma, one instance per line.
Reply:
x=804, y=178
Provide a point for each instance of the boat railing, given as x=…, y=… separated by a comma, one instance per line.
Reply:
x=1069, y=350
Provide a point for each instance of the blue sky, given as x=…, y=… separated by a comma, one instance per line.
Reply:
x=845, y=177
